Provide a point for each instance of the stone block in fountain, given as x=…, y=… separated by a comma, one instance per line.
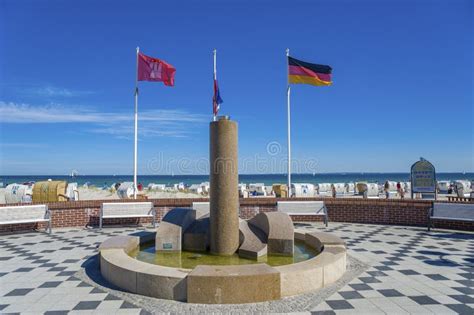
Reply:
x=170, y=231
x=196, y=237
x=279, y=231
x=252, y=241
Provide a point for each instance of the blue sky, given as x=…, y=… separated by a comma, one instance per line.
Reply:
x=402, y=73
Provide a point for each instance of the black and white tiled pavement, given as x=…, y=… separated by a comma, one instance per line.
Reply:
x=37, y=274
x=412, y=272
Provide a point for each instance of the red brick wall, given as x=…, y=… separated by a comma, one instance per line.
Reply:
x=373, y=211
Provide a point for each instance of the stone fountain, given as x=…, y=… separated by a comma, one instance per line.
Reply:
x=216, y=229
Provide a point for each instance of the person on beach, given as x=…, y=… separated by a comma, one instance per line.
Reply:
x=400, y=190
x=333, y=189
x=386, y=188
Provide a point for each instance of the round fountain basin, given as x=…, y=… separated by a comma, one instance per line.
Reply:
x=219, y=281
x=190, y=260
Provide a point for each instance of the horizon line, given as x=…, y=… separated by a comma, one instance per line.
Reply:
x=279, y=174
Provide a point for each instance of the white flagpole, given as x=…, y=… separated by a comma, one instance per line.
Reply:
x=288, y=90
x=215, y=78
x=135, y=153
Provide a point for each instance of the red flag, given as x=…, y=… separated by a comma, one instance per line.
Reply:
x=154, y=69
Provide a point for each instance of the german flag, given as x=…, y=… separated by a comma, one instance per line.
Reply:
x=301, y=72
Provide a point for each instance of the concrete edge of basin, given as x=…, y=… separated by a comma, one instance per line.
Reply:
x=135, y=276
x=162, y=282
x=315, y=273
x=234, y=284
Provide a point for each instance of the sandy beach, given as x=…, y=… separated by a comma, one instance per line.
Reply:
x=93, y=193
x=100, y=194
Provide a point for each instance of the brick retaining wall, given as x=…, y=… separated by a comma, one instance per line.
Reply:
x=372, y=211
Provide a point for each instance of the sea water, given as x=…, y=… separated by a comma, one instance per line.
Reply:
x=267, y=179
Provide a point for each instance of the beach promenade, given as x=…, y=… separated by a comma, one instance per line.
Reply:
x=391, y=270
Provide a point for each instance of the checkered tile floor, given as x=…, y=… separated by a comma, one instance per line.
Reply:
x=412, y=271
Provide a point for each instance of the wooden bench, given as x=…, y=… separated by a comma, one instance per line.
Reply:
x=309, y=208
x=25, y=214
x=116, y=210
x=451, y=211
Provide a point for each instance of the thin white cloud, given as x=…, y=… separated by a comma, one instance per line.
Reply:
x=52, y=91
x=171, y=123
x=24, y=113
x=146, y=130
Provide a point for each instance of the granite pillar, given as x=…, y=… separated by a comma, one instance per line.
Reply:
x=224, y=193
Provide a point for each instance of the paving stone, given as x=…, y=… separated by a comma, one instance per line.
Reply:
x=339, y=305
x=18, y=292
x=409, y=272
x=436, y=277
x=423, y=299
x=464, y=290
x=390, y=292
x=23, y=269
x=128, y=305
x=383, y=268
x=84, y=284
x=66, y=273
x=87, y=305
x=5, y=258
x=369, y=280
x=461, y=309
x=377, y=273
x=96, y=290
x=48, y=265
x=360, y=286
x=348, y=295
x=50, y=284
x=467, y=275
x=57, y=269
x=111, y=297
x=466, y=299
